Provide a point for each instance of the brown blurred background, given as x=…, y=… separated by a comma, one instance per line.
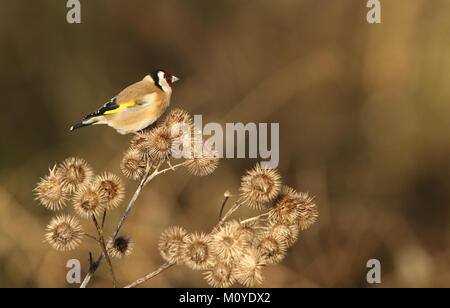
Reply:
x=364, y=126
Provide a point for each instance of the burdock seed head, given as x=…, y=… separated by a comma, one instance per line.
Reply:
x=172, y=244
x=74, y=173
x=272, y=248
x=64, y=233
x=197, y=254
x=88, y=201
x=228, y=242
x=206, y=164
x=50, y=191
x=137, y=141
x=110, y=186
x=285, y=208
x=120, y=247
x=158, y=145
x=260, y=186
x=289, y=233
x=250, y=231
x=177, y=116
x=220, y=275
x=307, y=212
x=248, y=271
x=133, y=164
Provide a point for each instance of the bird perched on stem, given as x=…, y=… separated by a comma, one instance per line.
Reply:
x=137, y=106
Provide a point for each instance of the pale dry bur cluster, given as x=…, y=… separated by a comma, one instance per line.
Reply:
x=238, y=250
x=73, y=181
x=234, y=251
x=121, y=246
x=157, y=144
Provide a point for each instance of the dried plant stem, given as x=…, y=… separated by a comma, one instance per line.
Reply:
x=150, y=275
x=172, y=168
x=133, y=200
x=105, y=251
x=103, y=219
x=95, y=265
x=224, y=202
x=148, y=176
x=230, y=212
x=91, y=237
x=254, y=218
x=92, y=268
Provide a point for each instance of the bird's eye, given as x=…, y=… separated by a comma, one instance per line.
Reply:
x=168, y=78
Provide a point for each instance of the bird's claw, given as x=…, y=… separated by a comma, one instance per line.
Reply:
x=140, y=134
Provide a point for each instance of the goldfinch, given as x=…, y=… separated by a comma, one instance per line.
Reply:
x=137, y=106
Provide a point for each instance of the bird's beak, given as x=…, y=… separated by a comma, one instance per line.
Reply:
x=175, y=78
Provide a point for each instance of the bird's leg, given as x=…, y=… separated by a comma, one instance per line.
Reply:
x=140, y=134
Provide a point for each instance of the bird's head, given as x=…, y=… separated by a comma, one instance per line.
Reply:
x=163, y=79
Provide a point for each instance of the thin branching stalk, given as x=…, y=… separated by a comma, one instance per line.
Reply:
x=105, y=251
x=224, y=202
x=92, y=268
x=95, y=265
x=148, y=176
x=92, y=237
x=144, y=181
x=172, y=168
x=254, y=218
x=103, y=219
x=150, y=275
x=230, y=212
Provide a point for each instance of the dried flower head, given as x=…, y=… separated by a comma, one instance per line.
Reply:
x=50, y=192
x=219, y=275
x=138, y=140
x=228, y=243
x=197, y=254
x=289, y=233
x=285, y=209
x=249, y=269
x=250, y=231
x=205, y=164
x=88, y=201
x=227, y=194
x=177, y=116
x=75, y=173
x=172, y=244
x=260, y=186
x=272, y=248
x=158, y=145
x=133, y=164
x=64, y=233
x=111, y=187
x=183, y=140
x=307, y=212
x=120, y=247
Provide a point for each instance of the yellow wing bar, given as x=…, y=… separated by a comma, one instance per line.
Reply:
x=122, y=105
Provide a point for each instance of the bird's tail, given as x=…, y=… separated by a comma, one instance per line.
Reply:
x=89, y=120
x=80, y=125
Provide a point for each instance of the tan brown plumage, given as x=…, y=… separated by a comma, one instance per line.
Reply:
x=137, y=106
x=150, y=102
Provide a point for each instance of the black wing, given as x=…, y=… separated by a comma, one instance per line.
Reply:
x=110, y=105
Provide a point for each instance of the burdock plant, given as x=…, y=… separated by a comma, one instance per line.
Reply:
x=235, y=250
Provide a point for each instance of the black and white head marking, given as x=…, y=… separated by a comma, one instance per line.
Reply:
x=163, y=80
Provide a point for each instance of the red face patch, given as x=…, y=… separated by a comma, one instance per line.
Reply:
x=168, y=78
